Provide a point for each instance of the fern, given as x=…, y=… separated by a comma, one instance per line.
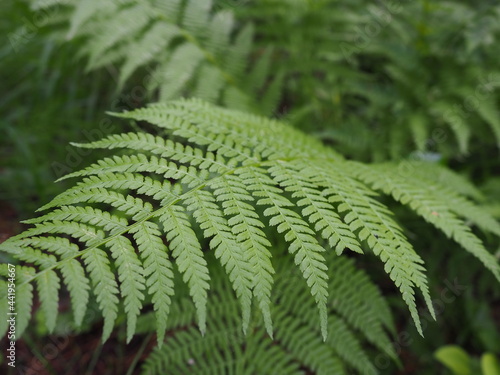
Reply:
x=136, y=214
x=183, y=47
x=296, y=346
x=249, y=56
x=24, y=297
x=437, y=205
x=413, y=84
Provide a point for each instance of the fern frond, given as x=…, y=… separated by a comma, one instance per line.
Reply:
x=437, y=205
x=104, y=285
x=85, y=190
x=184, y=46
x=303, y=245
x=129, y=20
x=86, y=215
x=162, y=148
x=157, y=270
x=296, y=347
x=78, y=287
x=213, y=223
x=317, y=209
x=48, y=290
x=23, y=297
x=189, y=258
x=129, y=219
x=378, y=229
x=131, y=277
x=247, y=229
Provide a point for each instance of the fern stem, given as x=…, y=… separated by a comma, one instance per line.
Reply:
x=139, y=354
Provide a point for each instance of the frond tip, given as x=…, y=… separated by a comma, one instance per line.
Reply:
x=238, y=181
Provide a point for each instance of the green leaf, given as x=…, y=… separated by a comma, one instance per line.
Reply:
x=490, y=364
x=455, y=359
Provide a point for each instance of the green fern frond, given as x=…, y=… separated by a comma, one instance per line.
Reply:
x=248, y=57
x=296, y=346
x=78, y=287
x=188, y=255
x=157, y=270
x=23, y=297
x=437, y=205
x=211, y=219
x=223, y=176
x=48, y=290
x=443, y=176
x=247, y=230
x=184, y=46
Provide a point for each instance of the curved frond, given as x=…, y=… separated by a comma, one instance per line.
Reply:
x=237, y=183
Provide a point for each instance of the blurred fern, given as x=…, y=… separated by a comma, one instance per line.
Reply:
x=408, y=81
x=358, y=314
x=186, y=48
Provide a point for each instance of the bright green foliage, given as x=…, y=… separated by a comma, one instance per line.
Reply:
x=456, y=359
x=460, y=363
x=437, y=204
x=239, y=181
x=297, y=346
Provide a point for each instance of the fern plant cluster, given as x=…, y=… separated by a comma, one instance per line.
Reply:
x=358, y=315
x=185, y=46
x=227, y=178
x=432, y=67
x=235, y=236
